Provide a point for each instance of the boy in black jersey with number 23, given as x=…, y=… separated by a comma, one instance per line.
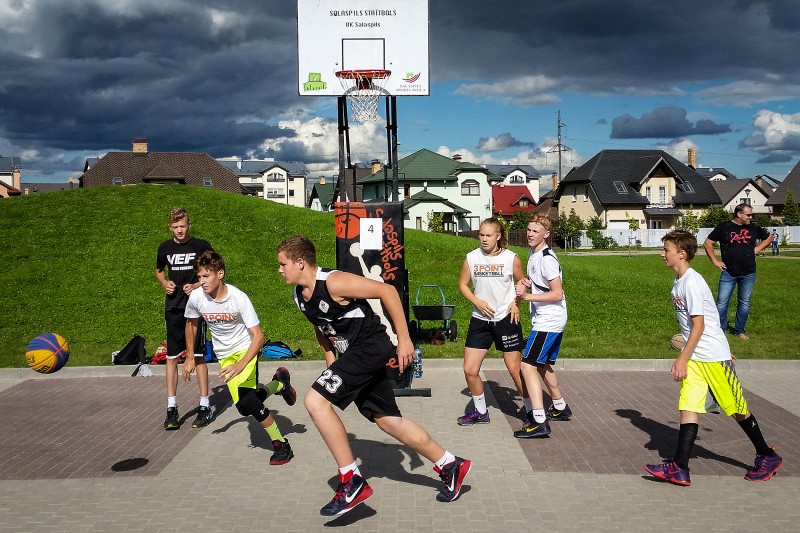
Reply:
x=336, y=304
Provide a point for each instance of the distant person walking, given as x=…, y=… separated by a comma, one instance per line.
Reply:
x=775, y=240
x=737, y=241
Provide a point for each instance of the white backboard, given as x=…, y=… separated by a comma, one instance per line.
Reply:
x=387, y=35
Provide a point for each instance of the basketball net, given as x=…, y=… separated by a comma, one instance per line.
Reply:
x=364, y=88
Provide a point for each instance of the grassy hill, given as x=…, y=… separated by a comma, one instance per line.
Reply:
x=81, y=263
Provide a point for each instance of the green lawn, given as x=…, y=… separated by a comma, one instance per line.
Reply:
x=81, y=263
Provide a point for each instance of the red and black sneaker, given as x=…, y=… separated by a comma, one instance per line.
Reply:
x=288, y=393
x=452, y=474
x=283, y=453
x=349, y=494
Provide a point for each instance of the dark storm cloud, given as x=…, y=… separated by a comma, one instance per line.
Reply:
x=667, y=122
x=501, y=142
x=86, y=75
x=612, y=47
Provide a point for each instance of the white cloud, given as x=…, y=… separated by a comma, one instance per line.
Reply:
x=774, y=133
x=524, y=91
x=679, y=149
x=747, y=93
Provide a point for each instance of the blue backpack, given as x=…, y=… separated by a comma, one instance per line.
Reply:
x=278, y=350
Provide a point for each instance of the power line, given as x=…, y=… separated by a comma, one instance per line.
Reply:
x=559, y=147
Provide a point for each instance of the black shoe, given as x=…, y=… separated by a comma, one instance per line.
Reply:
x=452, y=475
x=173, y=420
x=533, y=430
x=348, y=495
x=288, y=393
x=204, y=417
x=283, y=453
x=559, y=415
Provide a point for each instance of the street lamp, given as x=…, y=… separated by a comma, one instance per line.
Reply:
x=747, y=193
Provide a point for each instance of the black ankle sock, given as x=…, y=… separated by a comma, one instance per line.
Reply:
x=686, y=437
x=753, y=431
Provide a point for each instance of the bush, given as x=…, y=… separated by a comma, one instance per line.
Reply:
x=599, y=241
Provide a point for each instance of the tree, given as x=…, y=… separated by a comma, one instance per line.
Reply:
x=714, y=216
x=520, y=220
x=633, y=222
x=568, y=227
x=688, y=221
x=791, y=211
x=435, y=222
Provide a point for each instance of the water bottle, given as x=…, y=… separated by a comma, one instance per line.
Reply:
x=417, y=364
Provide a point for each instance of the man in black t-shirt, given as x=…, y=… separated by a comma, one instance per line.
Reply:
x=737, y=240
x=177, y=255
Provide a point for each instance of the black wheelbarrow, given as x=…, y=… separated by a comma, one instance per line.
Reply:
x=443, y=313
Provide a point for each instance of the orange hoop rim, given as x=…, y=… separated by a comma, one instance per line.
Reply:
x=365, y=73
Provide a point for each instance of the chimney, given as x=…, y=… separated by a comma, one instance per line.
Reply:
x=456, y=157
x=376, y=166
x=139, y=145
x=692, y=158
x=555, y=181
x=16, y=179
x=322, y=180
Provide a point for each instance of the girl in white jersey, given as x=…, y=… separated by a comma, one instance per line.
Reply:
x=493, y=271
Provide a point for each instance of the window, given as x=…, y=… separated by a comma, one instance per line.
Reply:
x=406, y=192
x=291, y=193
x=662, y=194
x=745, y=201
x=516, y=179
x=586, y=193
x=574, y=193
x=687, y=187
x=470, y=188
x=523, y=202
x=208, y=182
x=621, y=189
x=116, y=181
x=655, y=224
x=648, y=192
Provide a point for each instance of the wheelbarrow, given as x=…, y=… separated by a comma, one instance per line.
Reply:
x=443, y=313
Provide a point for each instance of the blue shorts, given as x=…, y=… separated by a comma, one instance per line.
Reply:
x=542, y=347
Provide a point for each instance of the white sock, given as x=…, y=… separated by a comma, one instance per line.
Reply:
x=480, y=403
x=559, y=404
x=350, y=468
x=204, y=401
x=539, y=415
x=447, y=458
x=528, y=404
x=172, y=401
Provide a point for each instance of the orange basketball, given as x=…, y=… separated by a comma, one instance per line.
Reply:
x=348, y=219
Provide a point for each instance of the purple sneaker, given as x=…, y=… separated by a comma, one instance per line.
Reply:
x=668, y=470
x=473, y=417
x=765, y=467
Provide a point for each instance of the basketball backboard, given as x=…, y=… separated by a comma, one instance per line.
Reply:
x=389, y=35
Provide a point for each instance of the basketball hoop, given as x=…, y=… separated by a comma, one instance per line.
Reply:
x=364, y=87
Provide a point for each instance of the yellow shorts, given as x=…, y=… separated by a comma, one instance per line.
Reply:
x=247, y=379
x=718, y=376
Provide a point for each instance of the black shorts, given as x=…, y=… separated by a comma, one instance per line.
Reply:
x=176, y=333
x=361, y=378
x=507, y=337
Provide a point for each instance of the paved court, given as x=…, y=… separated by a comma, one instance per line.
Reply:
x=84, y=450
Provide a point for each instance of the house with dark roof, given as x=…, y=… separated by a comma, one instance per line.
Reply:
x=433, y=183
x=508, y=199
x=321, y=196
x=715, y=173
x=515, y=175
x=790, y=183
x=10, y=176
x=280, y=181
x=733, y=192
x=650, y=186
x=143, y=166
x=31, y=187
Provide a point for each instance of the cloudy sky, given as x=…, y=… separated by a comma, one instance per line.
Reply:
x=83, y=77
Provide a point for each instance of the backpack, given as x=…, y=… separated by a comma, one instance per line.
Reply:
x=278, y=350
x=132, y=354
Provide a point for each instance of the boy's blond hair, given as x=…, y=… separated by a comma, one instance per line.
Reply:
x=683, y=241
x=179, y=213
x=541, y=218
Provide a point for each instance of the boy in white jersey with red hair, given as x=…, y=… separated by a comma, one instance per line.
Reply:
x=544, y=289
x=704, y=364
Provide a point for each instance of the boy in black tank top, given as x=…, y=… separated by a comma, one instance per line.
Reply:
x=336, y=304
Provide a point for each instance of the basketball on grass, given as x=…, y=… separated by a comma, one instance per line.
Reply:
x=677, y=342
x=47, y=353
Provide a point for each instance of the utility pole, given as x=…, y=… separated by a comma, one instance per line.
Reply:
x=559, y=147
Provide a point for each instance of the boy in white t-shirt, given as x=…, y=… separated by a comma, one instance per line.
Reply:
x=544, y=289
x=237, y=338
x=704, y=363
